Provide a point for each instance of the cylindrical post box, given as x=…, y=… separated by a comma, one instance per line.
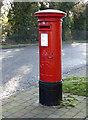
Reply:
x=50, y=83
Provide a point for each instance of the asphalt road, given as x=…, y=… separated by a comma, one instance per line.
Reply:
x=20, y=67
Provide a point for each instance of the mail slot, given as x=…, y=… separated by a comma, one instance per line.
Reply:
x=50, y=83
x=44, y=27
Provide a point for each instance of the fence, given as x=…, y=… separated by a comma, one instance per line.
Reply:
x=74, y=35
x=31, y=35
x=79, y=35
x=24, y=35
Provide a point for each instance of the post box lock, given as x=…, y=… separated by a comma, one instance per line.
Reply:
x=52, y=53
x=50, y=57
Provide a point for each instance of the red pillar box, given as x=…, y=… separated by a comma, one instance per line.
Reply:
x=50, y=83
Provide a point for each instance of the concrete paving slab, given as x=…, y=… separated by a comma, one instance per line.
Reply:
x=30, y=108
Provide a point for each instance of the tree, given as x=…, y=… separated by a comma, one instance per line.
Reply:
x=79, y=17
x=22, y=25
x=43, y=5
x=66, y=25
x=0, y=22
x=22, y=21
x=79, y=21
x=86, y=16
x=75, y=19
x=0, y=6
x=87, y=21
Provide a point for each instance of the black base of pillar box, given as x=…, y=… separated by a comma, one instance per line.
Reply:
x=50, y=93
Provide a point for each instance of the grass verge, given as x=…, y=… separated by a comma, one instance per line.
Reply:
x=75, y=41
x=19, y=45
x=75, y=86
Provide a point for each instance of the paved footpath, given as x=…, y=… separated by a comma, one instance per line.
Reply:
x=25, y=104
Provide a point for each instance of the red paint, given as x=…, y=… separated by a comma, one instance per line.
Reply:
x=50, y=56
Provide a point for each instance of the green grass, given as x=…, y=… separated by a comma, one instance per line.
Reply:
x=19, y=45
x=75, y=86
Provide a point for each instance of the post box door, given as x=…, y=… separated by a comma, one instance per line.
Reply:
x=47, y=54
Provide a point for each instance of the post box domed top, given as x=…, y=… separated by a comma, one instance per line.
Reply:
x=50, y=15
x=47, y=11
